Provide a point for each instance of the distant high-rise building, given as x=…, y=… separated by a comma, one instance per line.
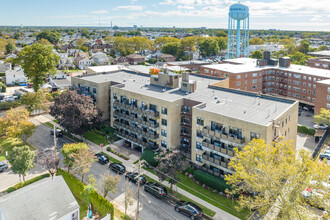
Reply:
x=134, y=26
x=238, y=40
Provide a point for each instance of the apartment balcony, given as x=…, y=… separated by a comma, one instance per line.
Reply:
x=185, y=134
x=150, y=113
x=185, y=113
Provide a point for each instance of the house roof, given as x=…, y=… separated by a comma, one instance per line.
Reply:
x=45, y=199
x=134, y=56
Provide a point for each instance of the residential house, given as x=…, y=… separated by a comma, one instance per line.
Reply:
x=12, y=55
x=166, y=58
x=120, y=60
x=81, y=54
x=100, y=59
x=4, y=66
x=82, y=62
x=15, y=76
x=45, y=199
x=134, y=59
x=65, y=63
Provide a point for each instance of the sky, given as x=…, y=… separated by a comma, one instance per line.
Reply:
x=308, y=15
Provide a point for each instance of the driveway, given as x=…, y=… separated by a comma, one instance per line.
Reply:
x=306, y=118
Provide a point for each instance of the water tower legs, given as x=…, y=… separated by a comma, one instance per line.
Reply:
x=238, y=38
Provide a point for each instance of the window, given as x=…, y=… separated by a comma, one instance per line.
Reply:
x=199, y=158
x=238, y=76
x=254, y=81
x=199, y=145
x=254, y=74
x=313, y=100
x=115, y=96
x=164, y=133
x=94, y=90
x=328, y=89
x=314, y=86
x=164, y=122
x=200, y=121
x=164, y=111
x=199, y=134
x=74, y=216
x=238, y=83
x=304, y=77
x=254, y=135
x=328, y=106
x=163, y=144
x=185, y=109
x=328, y=97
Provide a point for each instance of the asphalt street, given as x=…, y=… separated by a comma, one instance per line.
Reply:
x=150, y=207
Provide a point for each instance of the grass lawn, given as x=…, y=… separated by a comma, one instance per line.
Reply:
x=221, y=202
x=95, y=138
x=56, y=121
x=207, y=211
x=113, y=160
x=135, y=162
x=7, y=144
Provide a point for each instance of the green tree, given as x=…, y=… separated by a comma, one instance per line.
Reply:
x=10, y=47
x=304, y=46
x=68, y=150
x=35, y=100
x=323, y=47
x=171, y=48
x=257, y=54
x=222, y=42
x=209, y=47
x=299, y=58
x=271, y=179
x=161, y=41
x=221, y=34
x=52, y=36
x=38, y=61
x=256, y=41
x=21, y=159
x=80, y=42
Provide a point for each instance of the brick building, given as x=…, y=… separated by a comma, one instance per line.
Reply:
x=269, y=76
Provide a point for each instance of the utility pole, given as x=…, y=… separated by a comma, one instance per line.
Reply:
x=55, y=146
x=138, y=194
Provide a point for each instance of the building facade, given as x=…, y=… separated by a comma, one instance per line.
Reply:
x=291, y=81
x=194, y=112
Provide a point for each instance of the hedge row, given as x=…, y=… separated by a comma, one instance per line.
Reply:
x=305, y=130
x=99, y=203
x=28, y=182
x=211, y=181
x=8, y=105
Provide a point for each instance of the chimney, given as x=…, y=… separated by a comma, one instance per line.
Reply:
x=284, y=62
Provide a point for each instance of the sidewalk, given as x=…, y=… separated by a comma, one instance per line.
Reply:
x=220, y=214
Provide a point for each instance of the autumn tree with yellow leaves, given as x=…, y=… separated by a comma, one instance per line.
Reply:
x=271, y=179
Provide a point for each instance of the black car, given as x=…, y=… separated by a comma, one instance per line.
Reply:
x=3, y=167
x=59, y=132
x=133, y=177
x=102, y=159
x=117, y=167
x=156, y=189
x=189, y=209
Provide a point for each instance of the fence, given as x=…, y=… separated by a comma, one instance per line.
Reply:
x=318, y=147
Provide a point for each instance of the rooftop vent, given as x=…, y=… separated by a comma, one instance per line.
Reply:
x=215, y=97
x=218, y=101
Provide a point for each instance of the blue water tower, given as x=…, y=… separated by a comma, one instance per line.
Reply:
x=238, y=40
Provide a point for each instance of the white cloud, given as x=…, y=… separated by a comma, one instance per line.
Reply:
x=316, y=18
x=187, y=7
x=129, y=7
x=168, y=2
x=103, y=11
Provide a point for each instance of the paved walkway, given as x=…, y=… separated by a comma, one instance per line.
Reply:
x=220, y=214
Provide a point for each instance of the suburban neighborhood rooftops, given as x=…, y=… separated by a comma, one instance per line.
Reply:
x=45, y=199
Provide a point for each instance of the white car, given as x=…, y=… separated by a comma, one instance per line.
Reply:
x=320, y=126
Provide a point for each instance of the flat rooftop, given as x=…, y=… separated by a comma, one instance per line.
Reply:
x=108, y=68
x=188, y=62
x=231, y=103
x=320, y=53
x=250, y=66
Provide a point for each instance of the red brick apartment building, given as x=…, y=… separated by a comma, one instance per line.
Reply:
x=322, y=63
x=306, y=84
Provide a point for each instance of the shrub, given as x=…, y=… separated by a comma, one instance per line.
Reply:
x=101, y=205
x=211, y=181
x=8, y=105
x=149, y=156
x=189, y=170
x=109, y=149
x=305, y=130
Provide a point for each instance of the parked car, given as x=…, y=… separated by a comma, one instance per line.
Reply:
x=320, y=126
x=3, y=166
x=133, y=177
x=102, y=159
x=156, y=189
x=189, y=209
x=2, y=96
x=59, y=132
x=117, y=167
x=324, y=156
